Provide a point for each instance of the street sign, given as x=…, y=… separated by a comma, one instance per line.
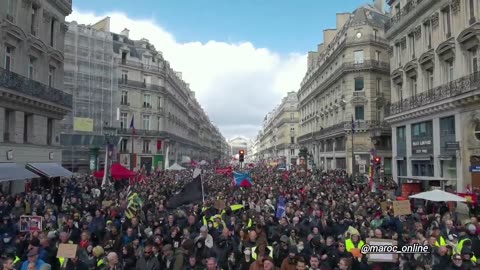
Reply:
x=361, y=168
x=357, y=157
x=475, y=169
x=362, y=162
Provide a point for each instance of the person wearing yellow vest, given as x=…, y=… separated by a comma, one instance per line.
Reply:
x=99, y=255
x=440, y=240
x=255, y=251
x=354, y=243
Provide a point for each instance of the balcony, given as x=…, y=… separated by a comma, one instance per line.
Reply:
x=124, y=103
x=411, y=10
x=139, y=65
x=449, y=90
x=25, y=86
x=141, y=85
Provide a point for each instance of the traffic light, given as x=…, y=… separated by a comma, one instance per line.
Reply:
x=377, y=160
x=241, y=155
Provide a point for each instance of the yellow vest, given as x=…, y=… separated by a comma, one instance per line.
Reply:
x=349, y=245
x=460, y=245
x=254, y=254
x=440, y=242
x=62, y=261
x=100, y=262
x=17, y=259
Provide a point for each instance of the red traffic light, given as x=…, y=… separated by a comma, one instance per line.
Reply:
x=377, y=160
x=241, y=152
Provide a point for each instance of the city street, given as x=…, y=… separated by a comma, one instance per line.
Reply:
x=239, y=135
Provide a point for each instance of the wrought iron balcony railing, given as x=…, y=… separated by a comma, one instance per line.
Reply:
x=26, y=86
x=454, y=88
x=142, y=85
x=140, y=65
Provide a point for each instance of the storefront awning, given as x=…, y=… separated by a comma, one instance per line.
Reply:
x=13, y=171
x=49, y=169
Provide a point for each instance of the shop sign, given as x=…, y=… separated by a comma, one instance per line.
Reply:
x=422, y=146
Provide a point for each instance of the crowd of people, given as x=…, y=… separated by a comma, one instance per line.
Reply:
x=302, y=221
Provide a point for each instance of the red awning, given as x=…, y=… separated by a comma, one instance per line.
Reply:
x=117, y=172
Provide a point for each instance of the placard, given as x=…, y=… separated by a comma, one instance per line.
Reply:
x=401, y=208
x=389, y=257
x=68, y=251
x=30, y=223
x=384, y=206
x=219, y=204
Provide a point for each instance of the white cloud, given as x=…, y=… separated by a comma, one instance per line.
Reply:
x=225, y=76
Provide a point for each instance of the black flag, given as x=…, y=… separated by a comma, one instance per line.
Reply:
x=191, y=193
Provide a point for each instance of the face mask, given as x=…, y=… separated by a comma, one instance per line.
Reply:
x=210, y=225
x=248, y=252
x=7, y=240
x=300, y=247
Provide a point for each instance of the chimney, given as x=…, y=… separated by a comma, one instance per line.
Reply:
x=125, y=32
x=342, y=18
x=328, y=35
x=379, y=5
x=320, y=48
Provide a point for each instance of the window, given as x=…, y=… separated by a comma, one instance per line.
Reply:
x=124, y=57
x=411, y=45
x=447, y=126
x=447, y=22
x=11, y=8
x=147, y=103
x=123, y=120
x=358, y=57
x=292, y=152
x=27, y=126
x=449, y=71
x=359, y=113
x=430, y=79
x=125, y=77
x=160, y=123
x=377, y=56
x=147, y=80
x=51, y=76
x=422, y=168
x=292, y=116
x=474, y=66
x=423, y=129
x=33, y=20
x=359, y=84
x=401, y=133
x=123, y=145
x=6, y=125
x=146, y=122
x=52, y=32
x=375, y=34
x=8, y=57
x=146, y=146
x=472, y=10
x=397, y=9
x=476, y=132
x=50, y=131
x=31, y=68
x=413, y=86
x=428, y=34
x=378, y=87
x=292, y=140
x=159, y=100
x=124, y=100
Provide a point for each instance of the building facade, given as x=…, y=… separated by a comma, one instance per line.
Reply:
x=169, y=122
x=348, y=81
x=91, y=77
x=277, y=140
x=435, y=110
x=32, y=97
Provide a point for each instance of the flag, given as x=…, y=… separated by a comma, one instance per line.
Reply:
x=190, y=193
x=280, y=207
x=194, y=163
x=134, y=203
x=242, y=179
x=132, y=125
x=353, y=125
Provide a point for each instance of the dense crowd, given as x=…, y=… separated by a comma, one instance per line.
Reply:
x=325, y=220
